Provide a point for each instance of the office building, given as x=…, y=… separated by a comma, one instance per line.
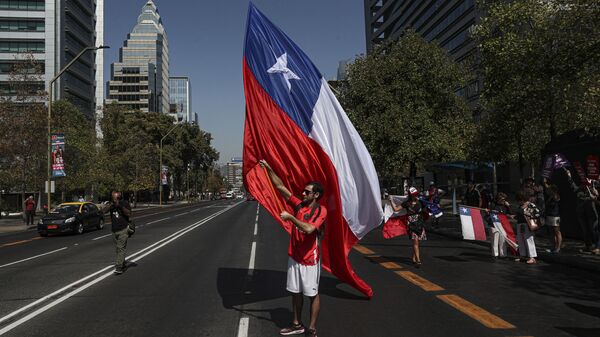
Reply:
x=54, y=31
x=140, y=80
x=180, y=97
x=448, y=22
x=234, y=173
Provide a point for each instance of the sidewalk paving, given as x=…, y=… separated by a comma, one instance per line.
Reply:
x=570, y=255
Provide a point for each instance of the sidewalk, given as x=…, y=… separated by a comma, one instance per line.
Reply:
x=449, y=226
x=15, y=223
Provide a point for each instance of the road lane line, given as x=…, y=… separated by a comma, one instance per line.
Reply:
x=180, y=214
x=161, y=242
x=33, y=257
x=101, y=237
x=243, y=328
x=20, y=242
x=155, y=221
x=252, y=257
x=419, y=281
x=477, y=313
x=363, y=250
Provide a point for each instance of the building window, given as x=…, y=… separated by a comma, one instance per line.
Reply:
x=23, y=5
x=14, y=46
x=7, y=25
x=31, y=88
x=7, y=67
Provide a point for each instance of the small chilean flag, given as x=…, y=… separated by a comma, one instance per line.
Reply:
x=502, y=224
x=295, y=123
x=472, y=224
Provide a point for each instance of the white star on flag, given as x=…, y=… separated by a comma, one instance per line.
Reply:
x=280, y=67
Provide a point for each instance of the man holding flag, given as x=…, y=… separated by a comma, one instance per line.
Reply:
x=294, y=121
x=304, y=264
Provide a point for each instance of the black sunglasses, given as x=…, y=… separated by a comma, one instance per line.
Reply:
x=307, y=192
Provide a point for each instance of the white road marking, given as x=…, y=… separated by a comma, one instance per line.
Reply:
x=138, y=256
x=159, y=220
x=33, y=257
x=245, y=320
x=252, y=257
x=180, y=214
x=101, y=237
x=243, y=329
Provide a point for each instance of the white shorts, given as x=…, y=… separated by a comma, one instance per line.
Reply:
x=303, y=279
x=553, y=221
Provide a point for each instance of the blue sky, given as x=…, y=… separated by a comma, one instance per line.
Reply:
x=206, y=44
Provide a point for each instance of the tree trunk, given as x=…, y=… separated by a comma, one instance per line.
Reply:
x=521, y=160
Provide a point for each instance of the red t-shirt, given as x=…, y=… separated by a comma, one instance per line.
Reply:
x=29, y=205
x=303, y=247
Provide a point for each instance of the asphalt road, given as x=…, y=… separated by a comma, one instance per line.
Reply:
x=218, y=269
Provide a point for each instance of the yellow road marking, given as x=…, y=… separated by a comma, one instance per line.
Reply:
x=479, y=314
x=419, y=281
x=390, y=265
x=19, y=242
x=363, y=250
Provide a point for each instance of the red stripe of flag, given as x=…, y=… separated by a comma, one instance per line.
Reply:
x=478, y=227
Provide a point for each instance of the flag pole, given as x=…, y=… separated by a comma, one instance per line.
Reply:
x=281, y=209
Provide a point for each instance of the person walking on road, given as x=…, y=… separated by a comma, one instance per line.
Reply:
x=525, y=214
x=552, y=208
x=120, y=211
x=416, y=225
x=304, y=262
x=29, y=210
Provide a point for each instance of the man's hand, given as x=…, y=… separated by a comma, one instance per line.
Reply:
x=286, y=216
x=263, y=163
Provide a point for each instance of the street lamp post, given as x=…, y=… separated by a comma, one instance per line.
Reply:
x=50, y=94
x=160, y=185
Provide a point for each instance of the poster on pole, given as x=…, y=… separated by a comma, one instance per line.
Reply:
x=58, y=155
x=163, y=175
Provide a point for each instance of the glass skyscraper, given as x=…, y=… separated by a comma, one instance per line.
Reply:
x=55, y=31
x=448, y=22
x=140, y=80
x=181, y=99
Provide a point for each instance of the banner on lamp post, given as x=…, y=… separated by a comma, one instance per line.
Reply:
x=163, y=175
x=58, y=155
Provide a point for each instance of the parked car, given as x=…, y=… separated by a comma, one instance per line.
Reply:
x=71, y=217
x=229, y=195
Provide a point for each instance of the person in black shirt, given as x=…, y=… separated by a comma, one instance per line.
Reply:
x=120, y=211
x=498, y=243
x=587, y=215
x=472, y=196
x=551, y=200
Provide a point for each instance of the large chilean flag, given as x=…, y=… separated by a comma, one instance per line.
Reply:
x=294, y=121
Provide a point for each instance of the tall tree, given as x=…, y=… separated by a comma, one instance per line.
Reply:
x=402, y=100
x=23, y=130
x=541, y=65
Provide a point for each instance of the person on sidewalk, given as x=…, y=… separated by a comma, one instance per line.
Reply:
x=120, y=211
x=587, y=215
x=304, y=261
x=29, y=210
x=525, y=214
x=498, y=243
x=416, y=225
x=472, y=196
x=552, y=208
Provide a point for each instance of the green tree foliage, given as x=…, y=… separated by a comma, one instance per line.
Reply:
x=129, y=157
x=402, y=100
x=541, y=66
x=23, y=126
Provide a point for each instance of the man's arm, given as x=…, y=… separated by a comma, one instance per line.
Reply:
x=304, y=227
x=276, y=180
x=395, y=207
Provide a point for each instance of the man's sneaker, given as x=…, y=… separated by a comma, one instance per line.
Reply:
x=118, y=271
x=294, y=329
x=312, y=333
